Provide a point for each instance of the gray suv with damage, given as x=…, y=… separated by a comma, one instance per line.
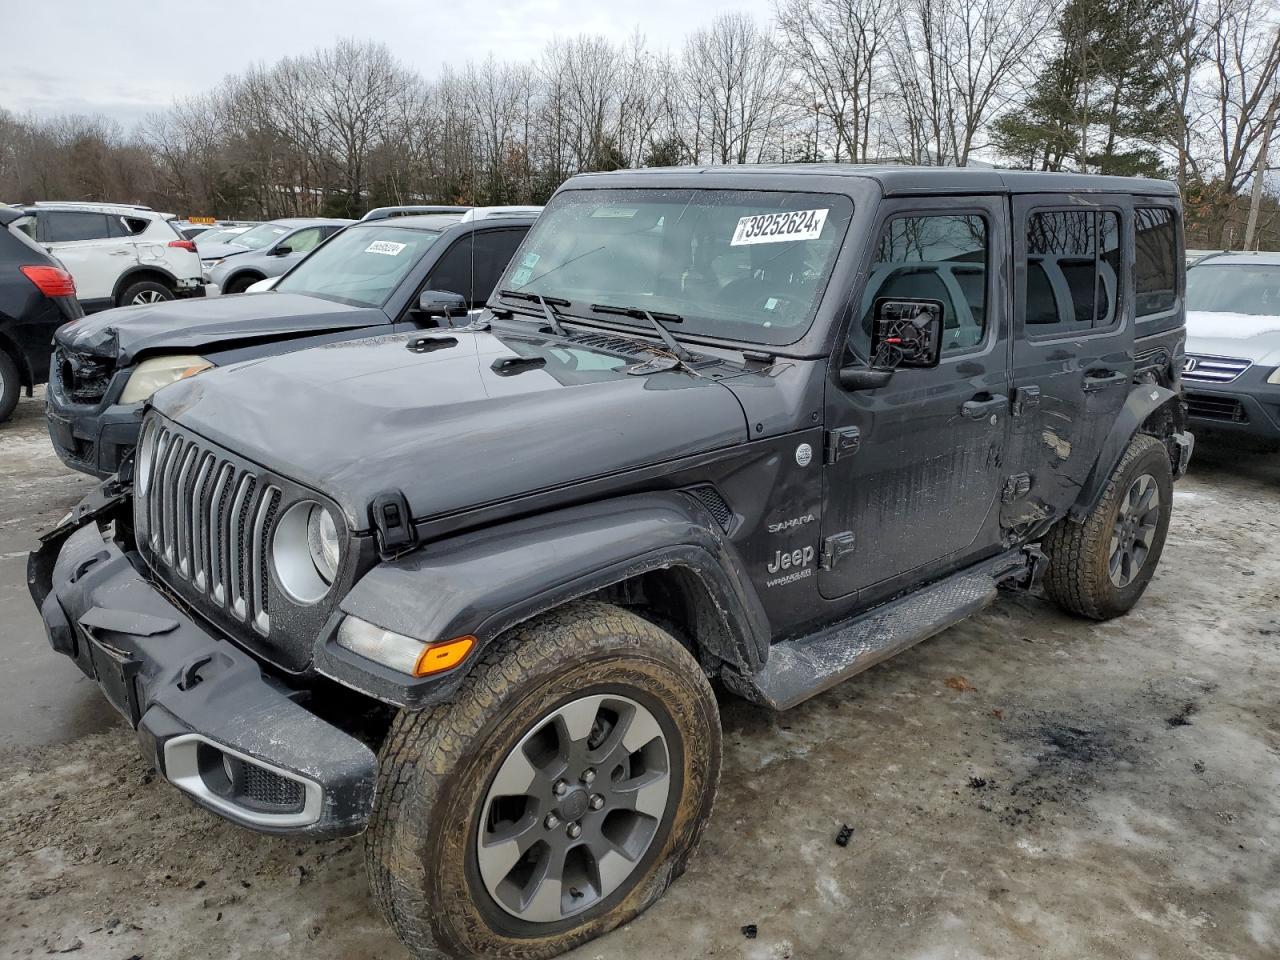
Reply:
x=466, y=591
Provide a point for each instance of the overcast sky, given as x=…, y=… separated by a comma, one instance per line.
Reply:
x=128, y=58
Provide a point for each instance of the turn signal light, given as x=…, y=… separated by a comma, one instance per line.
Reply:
x=437, y=657
x=51, y=281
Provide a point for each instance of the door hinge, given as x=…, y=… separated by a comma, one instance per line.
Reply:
x=1016, y=487
x=835, y=549
x=842, y=442
x=392, y=520
x=1024, y=399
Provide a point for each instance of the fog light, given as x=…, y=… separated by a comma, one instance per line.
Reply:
x=399, y=652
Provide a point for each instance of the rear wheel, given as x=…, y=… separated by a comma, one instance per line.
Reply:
x=144, y=292
x=10, y=386
x=557, y=796
x=1100, y=568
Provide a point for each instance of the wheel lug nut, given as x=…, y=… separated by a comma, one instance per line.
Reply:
x=551, y=822
x=588, y=776
x=597, y=801
x=560, y=788
x=575, y=831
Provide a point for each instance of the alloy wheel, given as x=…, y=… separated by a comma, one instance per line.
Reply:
x=1134, y=530
x=147, y=296
x=573, y=808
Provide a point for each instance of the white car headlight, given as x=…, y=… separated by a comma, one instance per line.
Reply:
x=399, y=652
x=150, y=375
x=207, y=264
x=306, y=551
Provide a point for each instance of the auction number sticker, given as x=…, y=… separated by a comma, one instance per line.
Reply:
x=779, y=227
x=385, y=247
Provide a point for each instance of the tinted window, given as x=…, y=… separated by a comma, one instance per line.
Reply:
x=62, y=226
x=1073, y=255
x=471, y=267
x=936, y=258
x=363, y=266
x=1156, y=250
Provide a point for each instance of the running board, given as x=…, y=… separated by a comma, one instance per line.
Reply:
x=799, y=669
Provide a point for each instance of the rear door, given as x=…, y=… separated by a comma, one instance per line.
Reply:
x=913, y=469
x=1073, y=343
x=89, y=247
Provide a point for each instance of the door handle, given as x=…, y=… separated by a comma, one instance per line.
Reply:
x=1101, y=379
x=977, y=409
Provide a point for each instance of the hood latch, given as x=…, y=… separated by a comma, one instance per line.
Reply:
x=394, y=523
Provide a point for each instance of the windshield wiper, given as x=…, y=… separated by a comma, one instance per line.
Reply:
x=548, y=305
x=672, y=344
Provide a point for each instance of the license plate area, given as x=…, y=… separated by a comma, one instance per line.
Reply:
x=115, y=671
x=60, y=430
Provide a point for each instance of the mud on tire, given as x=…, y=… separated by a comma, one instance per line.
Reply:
x=1081, y=555
x=436, y=767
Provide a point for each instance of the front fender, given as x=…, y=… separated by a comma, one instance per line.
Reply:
x=1142, y=402
x=483, y=583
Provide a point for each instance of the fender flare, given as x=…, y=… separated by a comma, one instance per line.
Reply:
x=1142, y=402
x=485, y=582
x=123, y=281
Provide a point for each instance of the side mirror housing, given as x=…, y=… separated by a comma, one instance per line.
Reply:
x=282, y=251
x=442, y=303
x=864, y=378
x=906, y=333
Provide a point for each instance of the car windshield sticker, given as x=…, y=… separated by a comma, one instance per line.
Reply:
x=779, y=227
x=387, y=247
x=614, y=213
x=520, y=277
x=530, y=260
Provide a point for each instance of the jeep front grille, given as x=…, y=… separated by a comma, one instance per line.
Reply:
x=209, y=521
x=1206, y=369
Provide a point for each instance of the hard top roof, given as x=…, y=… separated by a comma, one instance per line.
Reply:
x=895, y=179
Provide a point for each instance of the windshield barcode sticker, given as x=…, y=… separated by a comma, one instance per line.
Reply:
x=385, y=247
x=779, y=227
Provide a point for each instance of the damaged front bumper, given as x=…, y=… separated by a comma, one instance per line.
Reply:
x=206, y=715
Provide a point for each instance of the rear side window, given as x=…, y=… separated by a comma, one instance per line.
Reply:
x=940, y=258
x=63, y=226
x=1073, y=271
x=1157, y=260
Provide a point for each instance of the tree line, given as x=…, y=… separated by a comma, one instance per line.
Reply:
x=1180, y=89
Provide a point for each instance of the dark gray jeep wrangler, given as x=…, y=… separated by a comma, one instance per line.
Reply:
x=467, y=590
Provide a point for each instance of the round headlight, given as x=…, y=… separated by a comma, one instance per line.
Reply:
x=322, y=540
x=306, y=551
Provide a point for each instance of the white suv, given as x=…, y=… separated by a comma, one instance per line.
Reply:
x=118, y=254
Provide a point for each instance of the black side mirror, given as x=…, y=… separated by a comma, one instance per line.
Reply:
x=442, y=303
x=282, y=251
x=904, y=333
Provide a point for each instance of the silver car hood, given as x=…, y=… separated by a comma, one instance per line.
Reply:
x=1246, y=336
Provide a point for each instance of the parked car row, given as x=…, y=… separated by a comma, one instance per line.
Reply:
x=460, y=574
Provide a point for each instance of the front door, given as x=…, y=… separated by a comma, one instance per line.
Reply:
x=1073, y=345
x=914, y=468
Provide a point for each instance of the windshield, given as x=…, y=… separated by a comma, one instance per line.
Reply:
x=361, y=266
x=260, y=235
x=740, y=264
x=1250, y=288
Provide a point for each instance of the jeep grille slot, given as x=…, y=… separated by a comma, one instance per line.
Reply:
x=209, y=522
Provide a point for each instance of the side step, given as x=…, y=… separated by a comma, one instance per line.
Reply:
x=799, y=669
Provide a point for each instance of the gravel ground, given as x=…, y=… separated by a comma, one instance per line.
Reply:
x=1024, y=784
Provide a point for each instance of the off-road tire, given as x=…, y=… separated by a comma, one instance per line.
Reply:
x=241, y=283
x=10, y=386
x=435, y=767
x=151, y=288
x=1077, y=578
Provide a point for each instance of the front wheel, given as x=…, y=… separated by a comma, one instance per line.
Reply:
x=555, y=798
x=1099, y=568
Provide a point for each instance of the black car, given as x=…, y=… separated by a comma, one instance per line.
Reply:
x=759, y=426
x=36, y=297
x=367, y=280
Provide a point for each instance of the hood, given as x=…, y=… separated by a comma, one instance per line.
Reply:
x=217, y=251
x=201, y=323
x=359, y=418
x=1247, y=336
